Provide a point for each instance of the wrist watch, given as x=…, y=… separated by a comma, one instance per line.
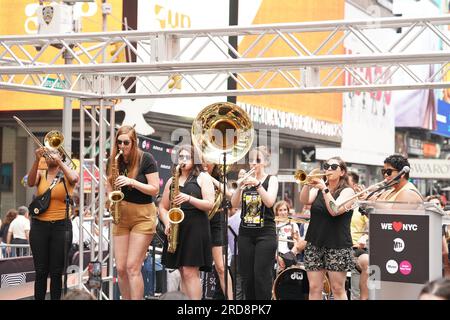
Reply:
x=326, y=190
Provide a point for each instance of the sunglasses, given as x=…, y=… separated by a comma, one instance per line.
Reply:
x=258, y=160
x=184, y=157
x=125, y=142
x=333, y=166
x=387, y=171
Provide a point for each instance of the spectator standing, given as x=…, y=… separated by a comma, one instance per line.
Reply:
x=19, y=232
x=7, y=219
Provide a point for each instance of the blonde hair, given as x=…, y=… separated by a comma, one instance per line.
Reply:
x=279, y=204
x=264, y=151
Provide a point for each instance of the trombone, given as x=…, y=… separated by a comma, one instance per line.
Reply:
x=338, y=205
x=302, y=178
x=53, y=140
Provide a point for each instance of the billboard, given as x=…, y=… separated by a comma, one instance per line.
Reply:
x=19, y=17
x=181, y=14
x=443, y=119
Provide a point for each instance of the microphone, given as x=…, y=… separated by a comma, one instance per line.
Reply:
x=405, y=169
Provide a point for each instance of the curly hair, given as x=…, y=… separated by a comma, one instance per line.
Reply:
x=398, y=162
x=439, y=288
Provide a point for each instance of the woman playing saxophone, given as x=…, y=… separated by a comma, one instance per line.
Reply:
x=195, y=199
x=137, y=177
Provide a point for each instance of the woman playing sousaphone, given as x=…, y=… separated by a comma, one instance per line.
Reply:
x=329, y=247
x=216, y=223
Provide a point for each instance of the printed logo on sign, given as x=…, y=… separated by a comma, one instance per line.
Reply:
x=399, y=226
x=399, y=245
x=392, y=266
x=405, y=267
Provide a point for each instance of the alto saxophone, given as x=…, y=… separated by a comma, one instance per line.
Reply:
x=175, y=214
x=116, y=195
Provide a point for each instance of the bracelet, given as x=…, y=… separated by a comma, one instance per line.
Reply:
x=189, y=199
x=258, y=185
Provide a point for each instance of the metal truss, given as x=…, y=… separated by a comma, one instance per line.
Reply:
x=178, y=63
x=94, y=124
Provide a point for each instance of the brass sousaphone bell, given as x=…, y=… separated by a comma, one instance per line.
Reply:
x=222, y=129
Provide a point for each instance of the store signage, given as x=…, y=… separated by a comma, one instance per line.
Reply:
x=288, y=120
x=443, y=119
x=429, y=169
x=415, y=147
x=431, y=150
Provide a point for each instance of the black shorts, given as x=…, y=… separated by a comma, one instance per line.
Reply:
x=215, y=225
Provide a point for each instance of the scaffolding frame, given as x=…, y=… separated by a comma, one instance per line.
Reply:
x=97, y=76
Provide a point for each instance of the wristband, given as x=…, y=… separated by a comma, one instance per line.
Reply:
x=258, y=185
x=326, y=190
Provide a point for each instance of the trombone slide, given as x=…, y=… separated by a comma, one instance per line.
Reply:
x=357, y=195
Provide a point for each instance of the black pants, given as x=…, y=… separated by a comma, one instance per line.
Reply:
x=47, y=244
x=256, y=259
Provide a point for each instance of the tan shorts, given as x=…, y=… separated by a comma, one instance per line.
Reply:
x=137, y=218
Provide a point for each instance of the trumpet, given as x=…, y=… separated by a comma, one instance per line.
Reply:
x=53, y=140
x=245, y=177
x=302, y=178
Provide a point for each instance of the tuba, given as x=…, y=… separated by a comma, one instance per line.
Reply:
x=222, y=131
x=217, y=202
x=218, y=195
x=116, y=195
x=175, y=214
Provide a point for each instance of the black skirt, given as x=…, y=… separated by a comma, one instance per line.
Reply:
x=194, y=247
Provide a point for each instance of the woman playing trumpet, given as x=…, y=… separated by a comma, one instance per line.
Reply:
x=257, y=242
x=329, y=247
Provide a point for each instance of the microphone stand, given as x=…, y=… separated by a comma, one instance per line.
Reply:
x=225, y=229
x=235, y=259
x=384, y=186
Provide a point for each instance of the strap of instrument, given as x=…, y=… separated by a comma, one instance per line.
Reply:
x=66, y=236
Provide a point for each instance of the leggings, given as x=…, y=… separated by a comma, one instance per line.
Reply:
x=256, y=260
x=47, y=244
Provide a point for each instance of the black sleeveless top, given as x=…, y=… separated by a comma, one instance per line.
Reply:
x=327, y=231
x=194, y=239
x=260, y=212
x=191, y=188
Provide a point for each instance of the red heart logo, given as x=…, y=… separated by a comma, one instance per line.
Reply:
x=397, y=226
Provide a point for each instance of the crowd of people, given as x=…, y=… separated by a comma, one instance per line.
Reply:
x=263, y=238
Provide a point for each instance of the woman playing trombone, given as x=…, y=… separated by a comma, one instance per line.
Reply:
x=329, y=247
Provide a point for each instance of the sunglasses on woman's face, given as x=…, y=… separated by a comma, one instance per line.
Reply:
x=184, y=157
x=333, y=166
x=387, y=171
x=125, y=142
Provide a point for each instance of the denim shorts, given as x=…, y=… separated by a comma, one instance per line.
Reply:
x=320, y=258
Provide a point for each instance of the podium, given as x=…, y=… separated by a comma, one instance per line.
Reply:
x=405, y=248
